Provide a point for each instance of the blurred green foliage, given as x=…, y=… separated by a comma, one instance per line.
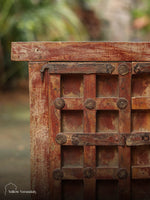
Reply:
x=32, y=20
x=141, y=16
x=144, y=10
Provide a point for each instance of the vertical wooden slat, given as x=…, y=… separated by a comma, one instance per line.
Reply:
x=39, y=135
x=89, y=127
x=54, y=128
x=125, y=127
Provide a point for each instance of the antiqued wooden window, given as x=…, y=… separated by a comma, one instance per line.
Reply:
x=90, y=119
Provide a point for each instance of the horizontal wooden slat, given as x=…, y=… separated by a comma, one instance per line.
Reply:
x=80, y=51
x=103, y=173
x=100, y=139
x=106, y=103
x=88, y=139
x=139, y=68
x=137, y=139
x=72, y=173
x=103, y=103
x=79, y=68
x=111, y=139
x=140, y=103
x=73, y=104
x=141, y=172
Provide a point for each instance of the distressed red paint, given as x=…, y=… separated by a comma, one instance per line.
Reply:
x=106, y=135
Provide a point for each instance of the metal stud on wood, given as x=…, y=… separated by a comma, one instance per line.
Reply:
x=90, y=104
x=122, y=103
x=122, y=174
x=59, y=103
x=88, y=172
x=123, y=69
x=61, y=138
x=58, y=174
x=75, y=140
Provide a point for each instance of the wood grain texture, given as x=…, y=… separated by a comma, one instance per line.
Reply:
x=140, y=68
x=137, y=103
x=72, y=173
x=80, y=51
x=92, y=139
x=101, y=173
x=89, y=126
x=84, y=72
x=140, y=103
x=54, y=128
x=141, y=85
x=100, y=139
x=72, y=156
x=39, y=134
x=107, y=85
x=72, y=85
x=106, y=103
x=138, y=139
x=140, y=121
x=107, y=121
x=141, y=172
x=79, y=68
x=106, y=173
x=73, y=103
x=125, y=127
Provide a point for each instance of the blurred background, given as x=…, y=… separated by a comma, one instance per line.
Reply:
x=51, y=20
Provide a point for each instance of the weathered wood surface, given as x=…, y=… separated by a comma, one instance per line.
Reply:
x=140, y=68
x=101, y=173
x=79, y=68
x=80, y=51
x=102, y=103
x=138, y=139
x=89, y=126
x=91, y=139
x=106, y=173
x=125, y=127
x=141, y=172
x=39, y=133
x=97, y=127
x=105, y=103
x=54, y=128
x=100, y=139
x=140, y=103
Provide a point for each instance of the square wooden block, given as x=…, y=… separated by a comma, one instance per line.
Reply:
x=72, y=156
x=72, y=190
x=72, y=121
x=72, y=85
x=107, y=86
x=141, y=85
x=107, y=156
x=107, y=121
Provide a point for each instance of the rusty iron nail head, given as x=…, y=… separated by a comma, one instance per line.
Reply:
x=59, y=103
x=123, y=69
x=90, y=103
x=88, y=172
x=122, y=103
x=61, y=138
x=75, y=140
x=122, y=173
x=58, y=174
